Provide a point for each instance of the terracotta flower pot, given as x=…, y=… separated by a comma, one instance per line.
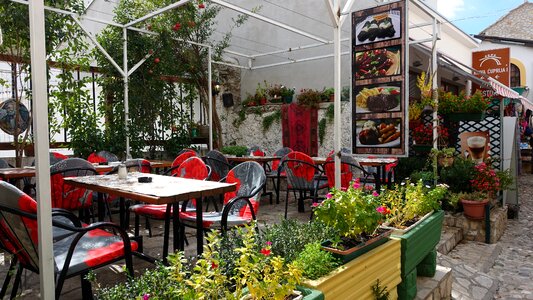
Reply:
x=474, y=210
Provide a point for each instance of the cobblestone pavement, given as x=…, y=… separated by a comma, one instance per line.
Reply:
x=510, y=277
x=514, y=265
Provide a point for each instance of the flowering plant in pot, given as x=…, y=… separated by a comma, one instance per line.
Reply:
x=309, y=97
x=408, y=203
x=355, y=213
x=445, y=156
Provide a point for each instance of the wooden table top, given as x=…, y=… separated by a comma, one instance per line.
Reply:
x=16, y=173
x=162, y=189
x=259, y=159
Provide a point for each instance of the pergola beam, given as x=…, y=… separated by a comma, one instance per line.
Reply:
x=292, y=61
x=297, y=48
x=345, y=11
x=268, y=20
x=158, y=12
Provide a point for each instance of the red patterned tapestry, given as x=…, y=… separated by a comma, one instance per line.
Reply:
x=300, y=128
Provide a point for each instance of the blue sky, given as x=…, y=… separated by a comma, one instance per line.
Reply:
x=473, y=16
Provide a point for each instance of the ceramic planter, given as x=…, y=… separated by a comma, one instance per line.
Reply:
x=474, y=210
x=355, y=279
x=349, y=254
x=417, y=243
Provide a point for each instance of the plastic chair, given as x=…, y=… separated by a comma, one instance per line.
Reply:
x=87, y=247
x=240, y=206
x=302, y=176
x=218, y=163
x=350, y=170
x=66, y=196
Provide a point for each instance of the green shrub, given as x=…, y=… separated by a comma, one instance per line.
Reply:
x=289, y=237
x=458, y=175
x=235, y=150
x=316, y=262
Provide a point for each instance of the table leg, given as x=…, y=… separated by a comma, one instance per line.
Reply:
x=176, y=226
x=122, y=212
x=101, y=207
x=379, y=179
x=166, y=234
x=199, y=226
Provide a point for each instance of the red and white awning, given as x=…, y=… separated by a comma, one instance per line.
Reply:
x=503, y=90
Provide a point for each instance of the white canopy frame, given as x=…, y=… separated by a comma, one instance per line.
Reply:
x=38, y=63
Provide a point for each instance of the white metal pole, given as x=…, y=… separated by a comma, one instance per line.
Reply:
x=42, y=160
x=126, y=90
x=210, y=98
x=337, y=104
x=434, y=85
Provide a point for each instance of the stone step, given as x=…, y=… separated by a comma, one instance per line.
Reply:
x=478, y=255
x=450, y=237
x=468, y=282
x=436, y=287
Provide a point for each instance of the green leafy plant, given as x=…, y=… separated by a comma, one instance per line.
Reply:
x=450, y=103
x=289, y=237
x=270, y=119
x=409, y=201
x=345, y=93
x=459, y=173
x=316, y=262
x=352, y=213
x=234, y=150
x=380, y=293
x=472, y=196
x=327, y=93
x=506, y=179
x=309, y=97
x=328, y=118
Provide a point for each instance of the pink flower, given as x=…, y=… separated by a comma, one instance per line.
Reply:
x=269, y=243
x=356, y=185
x=383, y=210
x=375, y=194
x=315, y=204
x=146, y=296
x=329, y=195
x=368, y=188
x=344, y=189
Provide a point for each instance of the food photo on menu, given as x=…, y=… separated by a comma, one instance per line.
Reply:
x=377, y=63
x=378, y=133
x=378, y=27
x=378, y=98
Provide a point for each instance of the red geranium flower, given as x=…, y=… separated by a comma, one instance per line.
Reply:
x=265, y=251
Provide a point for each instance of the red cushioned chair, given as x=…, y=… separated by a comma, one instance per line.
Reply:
x=184, y=155
x=255, y=151
x=29, y=183
x=66, y=196
x=191, y=168
x=240, y=206
x=85, y=248
x=303, y=176
x=350, y=171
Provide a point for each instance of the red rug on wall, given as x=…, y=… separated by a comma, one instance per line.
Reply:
x=299, y=126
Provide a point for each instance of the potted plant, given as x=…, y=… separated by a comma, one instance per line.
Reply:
x=249, y=101
x=328, y=94
x=260, y=94
x=287, y=94
x=355, y=214
x=444, y=156
x=309, y=97
x=275, y=93
x=235, y=150
x=490, y=181
x=463, y=108
x=418, y=229
x=423, y=137
x=474, y=204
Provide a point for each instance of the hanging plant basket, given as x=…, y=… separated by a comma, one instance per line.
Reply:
x=446, y=161
x=465, y=116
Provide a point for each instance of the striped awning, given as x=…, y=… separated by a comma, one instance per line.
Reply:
x=503, y=90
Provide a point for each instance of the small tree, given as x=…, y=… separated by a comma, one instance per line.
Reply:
x=14, y=21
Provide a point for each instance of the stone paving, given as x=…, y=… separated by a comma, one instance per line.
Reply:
x=497, y=271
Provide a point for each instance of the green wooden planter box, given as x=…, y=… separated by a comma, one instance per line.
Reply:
x=310, y=294
x=417, y=244
x=465, y=116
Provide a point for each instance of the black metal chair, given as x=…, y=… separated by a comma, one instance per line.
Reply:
x=218, y=163
x=275, y=173
x=303, y=176
x=240, y=206
x=84, y=248
x=66, y=196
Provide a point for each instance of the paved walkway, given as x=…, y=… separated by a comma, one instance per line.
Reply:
x=505, y=270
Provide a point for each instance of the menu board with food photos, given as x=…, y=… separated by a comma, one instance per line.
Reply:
x=378, y=80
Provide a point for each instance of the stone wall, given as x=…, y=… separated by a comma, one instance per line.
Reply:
x=475, y=230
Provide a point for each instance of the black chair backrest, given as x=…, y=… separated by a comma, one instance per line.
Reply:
x=219, y=164
x=4, y=164
x=109, y=157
